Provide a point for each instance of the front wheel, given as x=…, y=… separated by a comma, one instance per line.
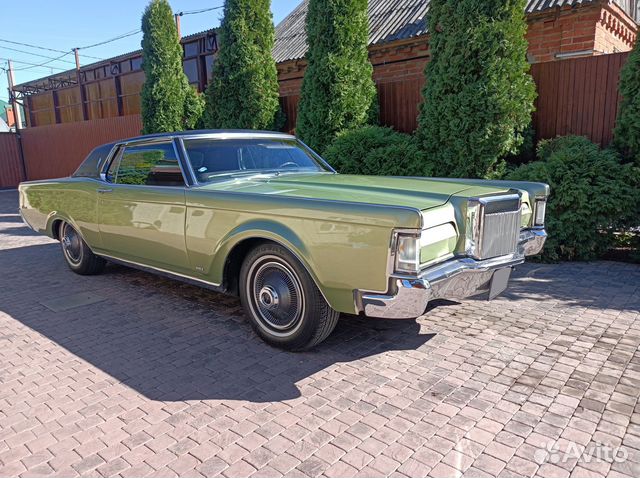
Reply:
x=77, y=254
x=282, y=301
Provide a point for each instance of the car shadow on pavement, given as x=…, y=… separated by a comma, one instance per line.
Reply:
x=172, y=341
x=599, y=285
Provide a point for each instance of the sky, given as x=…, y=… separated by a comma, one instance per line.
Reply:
x=66, y=24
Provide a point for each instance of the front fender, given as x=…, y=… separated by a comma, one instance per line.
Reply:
x=260, y=229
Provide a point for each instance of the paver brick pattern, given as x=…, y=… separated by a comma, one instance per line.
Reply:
x=165, y=379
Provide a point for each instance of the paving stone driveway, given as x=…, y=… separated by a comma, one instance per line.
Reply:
x=160, y=378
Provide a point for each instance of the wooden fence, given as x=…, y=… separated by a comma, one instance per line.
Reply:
x=576, y=96
x=11, y=166
x=56, y=150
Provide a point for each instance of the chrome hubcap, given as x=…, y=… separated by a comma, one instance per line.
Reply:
x=269, y=297
x=276, y=295
x=71, y=245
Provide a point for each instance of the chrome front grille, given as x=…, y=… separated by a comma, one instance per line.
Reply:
x=493, y=226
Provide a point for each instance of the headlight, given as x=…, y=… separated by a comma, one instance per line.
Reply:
x=414, y=249
x=472, y=228
x=540, y=211
x=408, y=252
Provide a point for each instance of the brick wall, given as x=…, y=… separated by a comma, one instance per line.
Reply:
x=601, y=28
x=615, y=32
x=398, y=67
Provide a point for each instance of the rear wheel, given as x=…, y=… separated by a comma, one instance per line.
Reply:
x=77, y=254
x=282, y=301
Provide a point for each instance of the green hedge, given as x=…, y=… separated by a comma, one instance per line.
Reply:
x=169, y=103
x=627, y=131
x=479, y=95
x=592, y=195
x=338, y=92
x=375, y=150
x=243, y=92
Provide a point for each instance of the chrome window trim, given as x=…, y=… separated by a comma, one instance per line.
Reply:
x=122, y=146
x=194, y=177
x=117, y=155
x=180, y=139
x=236, y=135
x=317, y=156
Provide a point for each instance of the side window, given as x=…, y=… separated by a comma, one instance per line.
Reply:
x=149, y=165
x=113, y=167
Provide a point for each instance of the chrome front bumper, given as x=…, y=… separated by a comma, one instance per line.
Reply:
x=458, y=278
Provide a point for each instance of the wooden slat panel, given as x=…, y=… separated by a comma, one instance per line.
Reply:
x=599, y=100
x=56, y=150
x=42, y=111
x=11, y=172
x=578, y=96
x=131, y=85
x=615, y=97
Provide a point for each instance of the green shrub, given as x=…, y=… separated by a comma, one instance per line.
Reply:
x=338, y=92
x=374, y=150
x=526, y=152
x=244, y=91
x=592, y=195
x=479, y=95
x=169, y=103
x=193, y=106
x=627, y=131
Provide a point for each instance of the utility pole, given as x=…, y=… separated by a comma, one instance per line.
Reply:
x=177, y=17
x=12, y=97
x=83, y=95
x=77, y=55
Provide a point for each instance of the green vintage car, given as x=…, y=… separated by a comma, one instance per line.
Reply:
x=260, y=215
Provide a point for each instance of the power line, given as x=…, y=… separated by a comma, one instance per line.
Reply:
x=195, y=12
x=44, y=63
x=119, y=37
x=32, y=64
x=34, y=54
x=42, y=47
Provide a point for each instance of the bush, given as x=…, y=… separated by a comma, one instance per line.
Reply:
x=374, y=150
x=526, y=152
x=592, y=195
x=244, y=91
x=338, y=92
x=479, y=95
x=627, y=131
x=193, y=106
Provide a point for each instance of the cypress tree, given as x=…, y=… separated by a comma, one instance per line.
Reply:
x=478, y=97
x=169, y=103
x=244, y=92
x=627, y=131
x=338, y=92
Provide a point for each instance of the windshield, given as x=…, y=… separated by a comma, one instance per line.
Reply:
x=218, y=158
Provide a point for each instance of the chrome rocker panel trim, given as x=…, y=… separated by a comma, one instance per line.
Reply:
x=457, y=278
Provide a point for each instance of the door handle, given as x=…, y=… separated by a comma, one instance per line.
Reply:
x=104, y=191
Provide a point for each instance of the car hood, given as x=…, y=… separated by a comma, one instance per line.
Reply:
x=418, y=193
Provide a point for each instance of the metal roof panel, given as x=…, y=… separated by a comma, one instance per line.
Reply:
x=391, y=20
